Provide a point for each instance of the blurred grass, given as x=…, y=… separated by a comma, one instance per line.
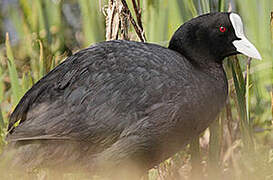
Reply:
x=45, y=32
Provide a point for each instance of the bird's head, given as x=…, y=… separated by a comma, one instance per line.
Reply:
x=213, y=36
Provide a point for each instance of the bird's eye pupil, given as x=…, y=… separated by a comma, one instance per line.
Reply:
x=222, y=29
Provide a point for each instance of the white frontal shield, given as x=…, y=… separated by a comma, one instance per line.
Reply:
x=243, y=45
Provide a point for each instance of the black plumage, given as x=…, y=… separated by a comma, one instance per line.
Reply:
x=121, y=104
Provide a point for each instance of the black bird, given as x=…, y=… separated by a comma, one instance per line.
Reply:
x=123, y=106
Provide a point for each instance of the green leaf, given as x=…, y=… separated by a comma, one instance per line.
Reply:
x=15, y=86
x=245, y=126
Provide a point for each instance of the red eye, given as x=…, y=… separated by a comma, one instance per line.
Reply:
x=222, y=29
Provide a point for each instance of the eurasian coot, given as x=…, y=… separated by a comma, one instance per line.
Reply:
x=121, y=106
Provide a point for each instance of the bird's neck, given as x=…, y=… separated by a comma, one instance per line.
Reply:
x=207, y=64
x=199, y=57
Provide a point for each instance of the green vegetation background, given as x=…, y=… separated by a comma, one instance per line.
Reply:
x=241, y=140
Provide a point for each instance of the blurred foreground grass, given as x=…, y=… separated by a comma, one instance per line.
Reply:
x=238, y=145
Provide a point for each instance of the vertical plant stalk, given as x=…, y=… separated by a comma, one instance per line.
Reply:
x=230, y=137
x=247, y=96
x=240, y=88
x=2, y=84
x=15, y=85
x=2, y=130
x=41, y=60
x=215, y=144
x=124, y=22
x=138, y=15
x=112, y=20
x=138, y=30
x=196, y=171
x=117, y=20
x=272, y=103
x=220, y=5
x=229, y=120
x=271, y=22
x=46, y=22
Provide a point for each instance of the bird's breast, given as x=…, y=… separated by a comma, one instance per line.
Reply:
x=192, y=112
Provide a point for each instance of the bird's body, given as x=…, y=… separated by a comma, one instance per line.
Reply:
x=98, y=98
x=117, y=103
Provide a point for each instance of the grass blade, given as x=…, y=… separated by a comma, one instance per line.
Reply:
x=240, y=88
x=15, y=86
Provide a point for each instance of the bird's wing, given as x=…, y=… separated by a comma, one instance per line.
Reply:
x=96, y=93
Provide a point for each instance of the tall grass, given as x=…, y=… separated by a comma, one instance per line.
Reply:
x=240, y=145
